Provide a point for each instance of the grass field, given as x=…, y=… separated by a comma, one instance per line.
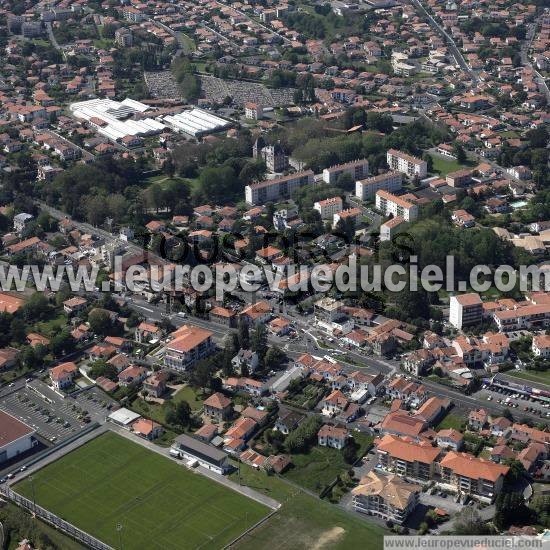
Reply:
x=444, y=166
x=159, y=503
x=305, y=522
x=532, y=375
x=320, y=466
x=451, y=421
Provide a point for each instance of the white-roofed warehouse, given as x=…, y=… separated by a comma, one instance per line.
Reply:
x=196, y=122
x=111, y=118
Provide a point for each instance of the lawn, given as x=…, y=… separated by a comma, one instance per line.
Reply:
x=444, y=166
x=304, y=521
x=160, y=504
x=320, y=466
x=190, y=395
x=158, y=412
x=451, y=421
x=542, y=377
x=52, y=326
x=19, y=524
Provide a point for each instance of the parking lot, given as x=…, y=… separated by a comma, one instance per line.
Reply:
x=53, y=417
x=515, y=401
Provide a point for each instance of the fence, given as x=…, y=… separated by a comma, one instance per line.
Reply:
x=54, y=520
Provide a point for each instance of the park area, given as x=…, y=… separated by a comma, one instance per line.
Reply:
x=158, y=503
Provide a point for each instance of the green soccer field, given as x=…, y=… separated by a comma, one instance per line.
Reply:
x=160, y=504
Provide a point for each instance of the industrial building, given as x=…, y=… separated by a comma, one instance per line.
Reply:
x=112, y=119
x=16, y=437
x=196, y=122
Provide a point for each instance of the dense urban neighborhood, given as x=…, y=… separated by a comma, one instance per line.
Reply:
x=273, y=273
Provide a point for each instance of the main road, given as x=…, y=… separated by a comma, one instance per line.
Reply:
x=459, y=58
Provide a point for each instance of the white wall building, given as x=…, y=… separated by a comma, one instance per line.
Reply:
x=390, y=181
x=407, y=164
x=397, y=206
x=16, y=437
x=357, y=169
x=465, y=309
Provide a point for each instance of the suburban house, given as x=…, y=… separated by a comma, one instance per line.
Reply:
x=218, y=407
x=63, y=375
x=332, y=436
x=287, y=420
x=148, y=429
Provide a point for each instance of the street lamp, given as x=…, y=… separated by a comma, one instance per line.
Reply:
x=31, y=479
x=119, y=530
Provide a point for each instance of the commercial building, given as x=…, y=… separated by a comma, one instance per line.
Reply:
x=189, y=345
x=465, y=309
x=16, y=437
x=385, y=496
x=277, y=188
x=407, y=164
x=206, y=455
x=390, y=181
x=357, y=169
x=397, y=206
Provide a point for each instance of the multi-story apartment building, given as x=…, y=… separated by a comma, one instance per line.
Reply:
x=385, y=496
x=536, y=316
x=541, y=345
x=328, y=207
x=189, y=345
x=409, y=459
x=367, y=188
x=357, y=169
x=465, y=309
x=407, y=164
x=278, y=188
x=470, y=475
x=398, y=206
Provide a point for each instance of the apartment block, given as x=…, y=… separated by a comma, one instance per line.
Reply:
x=406, y=164
x=357, y=169
x=328, y=207
x=536, y=316
x=405, y=458
x=397, y=206
x=385, y=496
x=278, y=188
x=471, y=475
x=189, y=345
x=465, y=309
x=390, y=181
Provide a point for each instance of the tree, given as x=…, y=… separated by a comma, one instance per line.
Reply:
x=273, y=358
x=62, y=343
x=36, y=308
x=100, y=321
x=243, y=334
x=202, y=373
x=183, y=413
x=469, y=522
x=258, y=341
x=459, y=153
